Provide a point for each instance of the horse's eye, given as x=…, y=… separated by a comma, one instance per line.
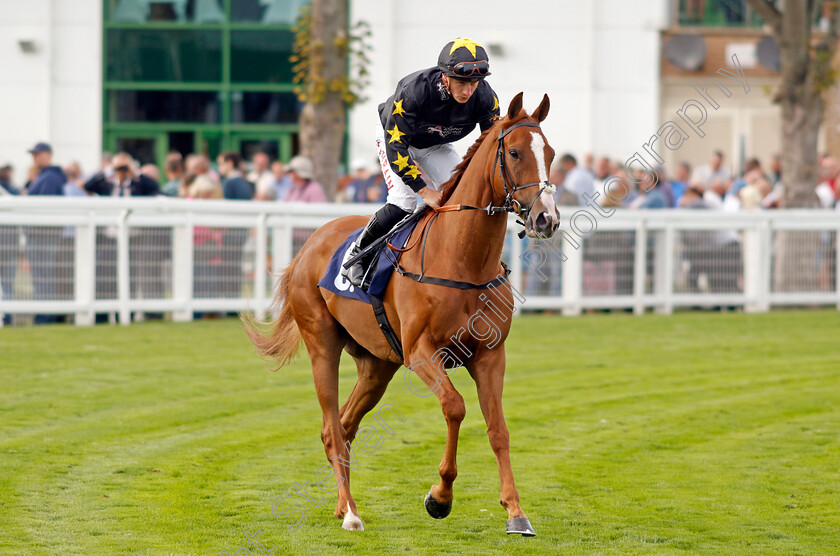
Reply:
x=513, y=153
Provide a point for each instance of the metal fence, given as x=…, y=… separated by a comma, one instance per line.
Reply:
x=119, y=260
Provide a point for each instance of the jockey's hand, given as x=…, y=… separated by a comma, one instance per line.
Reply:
x=431, y=197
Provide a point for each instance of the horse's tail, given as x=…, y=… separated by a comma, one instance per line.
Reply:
x=280, y=341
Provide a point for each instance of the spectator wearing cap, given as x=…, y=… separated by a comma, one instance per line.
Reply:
x=304, y=189
x=50, y=179
x=43, y=242
x=361, y=178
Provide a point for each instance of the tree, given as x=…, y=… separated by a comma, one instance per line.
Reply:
x=806, y=70
x=328, y=83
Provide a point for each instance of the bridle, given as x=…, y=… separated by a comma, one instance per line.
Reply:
x=511, y=204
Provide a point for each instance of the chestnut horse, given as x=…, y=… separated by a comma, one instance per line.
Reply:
x=504, y=171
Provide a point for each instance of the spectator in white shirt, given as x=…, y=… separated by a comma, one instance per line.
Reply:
x=578, y=180
x=706, y=174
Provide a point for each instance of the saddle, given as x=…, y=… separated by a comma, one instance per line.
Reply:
x=381, y=266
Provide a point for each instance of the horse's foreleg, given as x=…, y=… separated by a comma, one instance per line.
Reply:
x=488, y=371
x=439, y=499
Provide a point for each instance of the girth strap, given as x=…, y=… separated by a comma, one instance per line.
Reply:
x=498, y=281
x=385, y=326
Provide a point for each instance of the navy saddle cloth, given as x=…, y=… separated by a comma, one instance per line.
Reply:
x=333, y=280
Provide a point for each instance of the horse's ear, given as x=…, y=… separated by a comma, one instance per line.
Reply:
x=542, y=110
x=515, y=106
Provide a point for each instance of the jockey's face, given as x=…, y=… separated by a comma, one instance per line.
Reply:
x=461, y=90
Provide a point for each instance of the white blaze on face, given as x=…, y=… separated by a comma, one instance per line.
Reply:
x=538, y=148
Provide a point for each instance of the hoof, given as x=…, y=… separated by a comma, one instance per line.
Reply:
x=352, y=523
x=520, y=526
x=435, y=508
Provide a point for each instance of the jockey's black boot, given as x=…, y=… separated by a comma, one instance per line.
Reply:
x=380, y=223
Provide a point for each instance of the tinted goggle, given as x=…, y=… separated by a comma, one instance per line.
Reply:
x=479, y=68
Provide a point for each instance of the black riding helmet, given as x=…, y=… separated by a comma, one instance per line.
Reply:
x=464, y=59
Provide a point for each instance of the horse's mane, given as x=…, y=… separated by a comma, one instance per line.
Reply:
x=449, y=187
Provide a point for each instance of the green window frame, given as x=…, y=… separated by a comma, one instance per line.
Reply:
x=225, y=122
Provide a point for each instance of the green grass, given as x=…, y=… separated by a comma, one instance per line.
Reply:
x=694, y=433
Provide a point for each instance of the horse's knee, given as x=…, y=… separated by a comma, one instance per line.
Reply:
x=332, y=439
x=499, y=439
x=454, y=409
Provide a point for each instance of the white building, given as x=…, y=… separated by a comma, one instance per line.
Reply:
x=600, y=62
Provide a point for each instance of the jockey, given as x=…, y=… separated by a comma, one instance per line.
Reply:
x=430, y=109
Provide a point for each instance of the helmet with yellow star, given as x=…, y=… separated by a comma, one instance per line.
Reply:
x=464, y=59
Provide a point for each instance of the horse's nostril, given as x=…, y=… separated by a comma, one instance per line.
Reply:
x=541, y=221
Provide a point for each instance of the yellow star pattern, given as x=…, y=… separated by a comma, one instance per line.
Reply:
x=398, y=109
x=495, y=103
x=413, y=171
x=395, y=134
x=401, y=162
x=469, y=44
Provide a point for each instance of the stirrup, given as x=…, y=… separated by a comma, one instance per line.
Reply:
x=358, y=272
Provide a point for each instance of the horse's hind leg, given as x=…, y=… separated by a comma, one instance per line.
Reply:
x=324, y=341
x=374, y=376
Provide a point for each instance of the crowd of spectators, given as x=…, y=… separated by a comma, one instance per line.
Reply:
x=218, y=253
x=710, y=261
x=194, y=177
x=712, y=185
x=709, y=186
